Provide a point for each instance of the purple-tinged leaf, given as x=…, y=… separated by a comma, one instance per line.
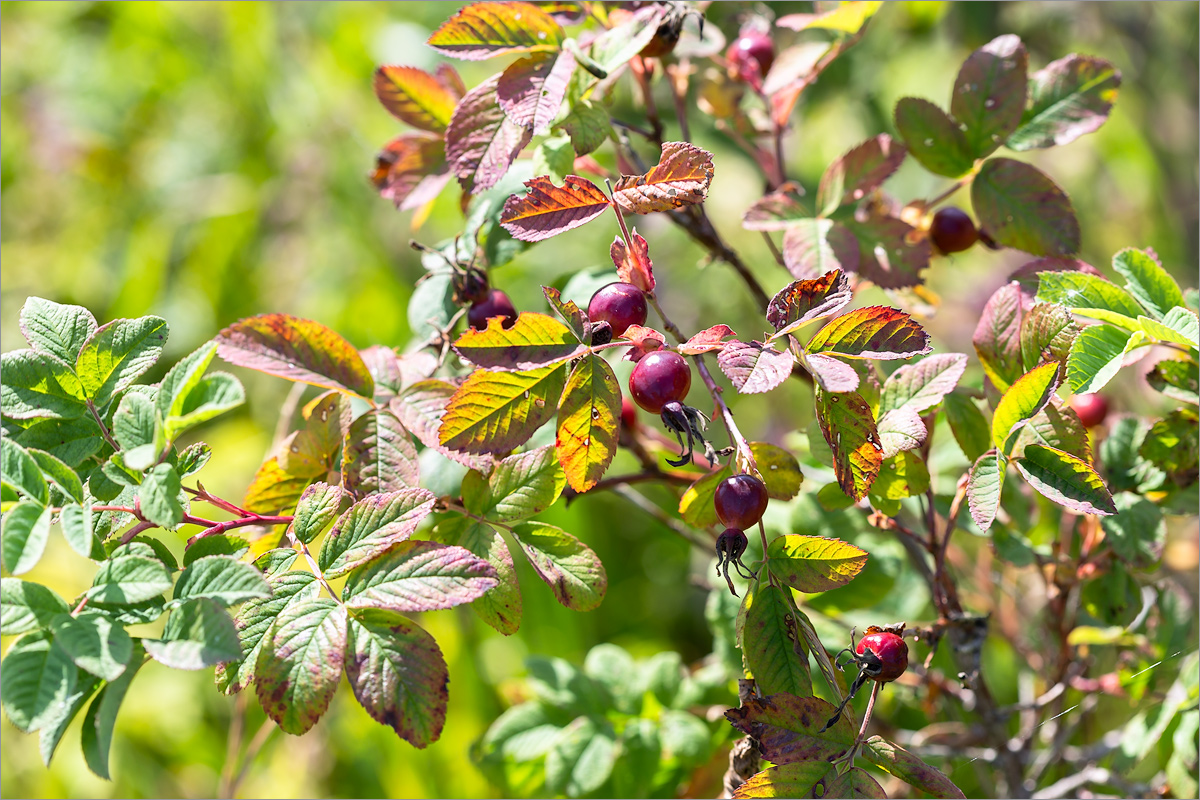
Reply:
x=706, y=340
x=984, y=483
x=419, y=576
x=567, y=565
x=535, y=340
x=900, y=429
x=989, y=93
x=891, y=253
x=997, y=337
x=933, y=137
x=1067, y=99
x=633, y=265
x=519, y=486
x=922, y=385
x=300, y=666
x=411, y=170
x=297, y=350
x=803, y=301
x=754, y=368
x=813, y=247
x=873, y=332
x=680, y=178
x=415, y=97
x=421, y=407
x=859, y=172
x=849, y=430
x=484, y=30
x=481, y=141
x=1020, y=206
x=547, y=210
x=494, y=412
x=500, y=606
x=788, y=728
x=1065, y=479
x=372, y=526
x=378, y=455
x=1024, y=399
x=776, y=211
x=532, y=89
x=831, y=374
x=255, y=621
x=897, y=761
x=398, y=674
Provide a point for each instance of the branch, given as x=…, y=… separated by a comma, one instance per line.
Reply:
x=646, y=504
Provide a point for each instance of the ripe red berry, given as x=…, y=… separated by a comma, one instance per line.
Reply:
x=740, y=501
x=496, y=304
x=659, y=378
x=890, y=649
x=1091, y=408
x=751, y=56
x=952, y=231
x=620, y=305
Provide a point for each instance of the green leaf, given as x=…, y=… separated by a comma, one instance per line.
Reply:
x=215, y=394
x=567, y=565
x=192, y=459
x=849, y=430
x=39, y=386
x=378, y=455
x=997, y=337
x=398, y=674
x=316, y=510
x=300, y=665
x=56, y=725
x=117, y=353
x=129, y=578
x=255, y=621
x=933, y=138
x=1065, y=479
x=94, y=643
x=136, y=425
x=1147, y=281
x=1171, y=445
x=779, y=469
x=685, y=737
x=588, y=418
x=419, y=576
x=484, y=30
x=967, y=424
x=37, y=679
x=1047, y=333
x=984, y=483
x=1023, y=400
x=901, y=475
x=989, y=93
x=640, y=753
x=588, y=126
x=58, y=473
x=1058, y=426
x=72, y=441
x=1097, y=355
x=56, y=329
x=26, y=531
x=922, y=385
x=101, y=717
x=1137, y=531
x=814, y=563
x=582, y=758
x=276, y=561
x=21, y=472
x=1075, y=289
x=612, y=667
x=372, y=526
x=872, y=332
x=1179, y=326
x=810, y=779
x=494, y=412
x=774, y=652
x=897, y=761
x=1178, y=379
x=788, y=728
x=501, y=605
x=26, y=606
x=297, y=350
x=1019, y=206
x=534, y=340
x=159, y=496
x=554, y=158
x=182, y=378
x=696, y=506
x=198, y=634
x=519, y=487
x=1067, y=98
x=219, y=545
x=223, y=579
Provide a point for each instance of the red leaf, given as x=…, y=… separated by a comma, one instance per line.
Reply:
x=298, y=350
x=859, y=172
x=532, y=89
x=633, y=267
x=547, y=210
x=754, y=368
x=483, y=30
x=706, y=340
x=481, y=141
x=801, y=302
x=411, y=170
x=872, y=332
x=680, y=178
x=415, y=97
x=645, y=340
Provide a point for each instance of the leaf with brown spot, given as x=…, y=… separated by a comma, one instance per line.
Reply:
x=415, y=97
x=873, y=332
x=547, y=210
x=1019, y=206
x=814, y=563
x=787, y=727
x=501, y=606
x=680, y=178
x=378, y=455
x=810, y=779
x=849, y=429
x=803, y=301
x=299, y=668
x=481, y=141
x=484, y=30
x=567, y=565
x=633, y=264
x=904, y=765
x=589, y=415
x=532, y=89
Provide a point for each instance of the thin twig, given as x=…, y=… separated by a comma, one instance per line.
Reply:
x=650, y=507
x=774, y=250
x=103, y=428
x=256, y=744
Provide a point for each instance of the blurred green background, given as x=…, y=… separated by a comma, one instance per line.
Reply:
x=206, y=162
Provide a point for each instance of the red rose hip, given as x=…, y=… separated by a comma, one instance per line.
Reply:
x=1091, y=408
x=659, y=378
x=740, y=501
x=496, y=304
x=890, y=649
x=952, y=231
x=620, y=305
x=751, y=56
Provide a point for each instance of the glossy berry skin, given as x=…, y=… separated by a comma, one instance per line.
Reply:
x=751, y=56
x=1091, y=408
x=496, y=304
x=890, y=649
x=740, y=501
x=952, y=231
x=620, y=305
x=659, y=378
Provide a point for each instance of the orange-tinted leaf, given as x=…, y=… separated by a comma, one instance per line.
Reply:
x=310, y=451
x=859, y=172
x=588, y=417
x=415, y=97
x=481, y=141
x=532, y=89
x=273, y=491
x=812, y=247
x=535, y=340
x=633, y=264
x=872, y=332
x=548, y=210
x=810, y=779
x=493, y=412
x=296, y=349
x=801, y=302
x=849, y=429
x=706, y=340
x=754, y=368
x=776, y=211
x=483, y=30
x=645, y=340
x=680, y=178
x=411, y=170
